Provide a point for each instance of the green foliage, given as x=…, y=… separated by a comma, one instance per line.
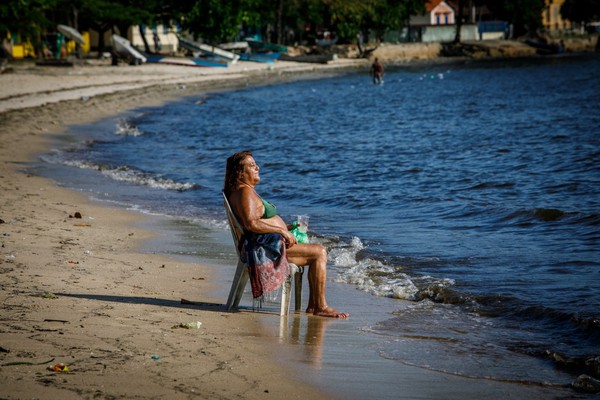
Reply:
x=581, y=10
x=221, y=20
x=115, y=13
x=387, y=15
x=525, y=15
x=26, y=17
x=215, y=20
x=346, y=17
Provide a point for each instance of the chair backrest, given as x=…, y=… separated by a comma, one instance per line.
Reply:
x=234, y=225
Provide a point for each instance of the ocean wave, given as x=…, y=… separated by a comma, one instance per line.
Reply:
x=132, y=175
x=374, y=276
x=440, y=292
x=127, y=128
x=447, y=340
x=549, y=215
x=491, y=185
x=577, y=333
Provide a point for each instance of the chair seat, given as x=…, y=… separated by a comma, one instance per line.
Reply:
x=241, y=277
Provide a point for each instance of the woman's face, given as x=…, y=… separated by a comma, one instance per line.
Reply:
x=250, y=172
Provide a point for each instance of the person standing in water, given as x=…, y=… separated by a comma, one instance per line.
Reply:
x=377, y=72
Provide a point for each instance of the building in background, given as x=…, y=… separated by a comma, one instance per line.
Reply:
x=552, y=20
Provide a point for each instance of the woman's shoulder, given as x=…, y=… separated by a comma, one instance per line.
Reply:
x=242, y=193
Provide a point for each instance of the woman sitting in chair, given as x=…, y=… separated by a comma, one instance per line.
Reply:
x=266, y=235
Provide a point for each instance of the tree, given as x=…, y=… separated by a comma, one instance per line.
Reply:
x=26, y=18
x=214, y=20
x=310, y=15
x=582, y=11
x=346, y=17
x=106, y=15
x=459, y=20
x=380, y=16
x=525, y=15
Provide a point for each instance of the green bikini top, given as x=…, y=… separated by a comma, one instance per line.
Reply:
x=270, y=209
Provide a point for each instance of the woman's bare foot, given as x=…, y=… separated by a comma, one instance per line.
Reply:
x=330, y=313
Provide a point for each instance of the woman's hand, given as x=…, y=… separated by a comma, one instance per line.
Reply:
x=289, y=239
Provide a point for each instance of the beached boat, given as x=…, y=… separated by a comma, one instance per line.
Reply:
x=258, y=46
x=205, y=49
x=544, y=47
x=234, y=46
x=124, y=49
x=186, y=61
x=326, y=42
x=268, y=58
x=71, y=33
x=310, y=58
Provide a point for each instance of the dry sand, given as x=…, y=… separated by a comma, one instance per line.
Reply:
x=76, y=291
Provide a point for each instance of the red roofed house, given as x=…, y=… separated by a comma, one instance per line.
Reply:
x=438, y=24
x=438, y=12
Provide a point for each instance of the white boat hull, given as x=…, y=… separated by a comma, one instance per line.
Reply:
x=206, y=49
x=124, y=49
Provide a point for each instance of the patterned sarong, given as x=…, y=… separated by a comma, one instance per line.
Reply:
x=265, y=255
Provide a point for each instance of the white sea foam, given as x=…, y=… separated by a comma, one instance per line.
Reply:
x=378, y=279
x=126, y=128
x=370, y=275
x=127, y=174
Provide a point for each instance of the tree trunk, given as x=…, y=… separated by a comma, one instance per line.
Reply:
x=78, y=48
x=101, y=29
x=146, y=45
x=459, y=20
x=279, y=23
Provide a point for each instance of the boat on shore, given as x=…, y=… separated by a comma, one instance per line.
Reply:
x=257, y=51
x=199, y=49
x=264, y=47
x=185, y=61
x=123, y=49
x=544, y=47
x=310, y=58
x=71, y=33
x=267, y=58
x=234, y=46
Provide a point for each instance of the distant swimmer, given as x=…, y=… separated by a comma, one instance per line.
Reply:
x=377, y=72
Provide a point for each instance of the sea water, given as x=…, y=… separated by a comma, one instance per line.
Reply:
x=470, y=190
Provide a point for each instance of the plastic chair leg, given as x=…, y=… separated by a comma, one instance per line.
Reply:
x=237, y=286
x=298, y=289
x=286, y=289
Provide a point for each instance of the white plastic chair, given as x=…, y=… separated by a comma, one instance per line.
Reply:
x=241, y=277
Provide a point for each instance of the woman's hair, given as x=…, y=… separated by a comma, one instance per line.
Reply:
x=233, y=170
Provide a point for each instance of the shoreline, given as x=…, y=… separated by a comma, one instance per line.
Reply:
x=79, y=292
x=122, y=307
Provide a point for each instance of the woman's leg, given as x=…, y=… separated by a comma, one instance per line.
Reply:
x=315, y=256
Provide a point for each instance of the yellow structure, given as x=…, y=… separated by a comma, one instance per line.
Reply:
x=551, y=17
x=85, y=48
x=25, y=49
x=19, y=49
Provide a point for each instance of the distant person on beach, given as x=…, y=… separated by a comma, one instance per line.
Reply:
x=377, y=72
x=267, y=244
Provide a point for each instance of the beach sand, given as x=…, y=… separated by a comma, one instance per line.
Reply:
x=80, y=292
x=76, y=291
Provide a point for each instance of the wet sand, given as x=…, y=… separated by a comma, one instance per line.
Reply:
x=81, y=293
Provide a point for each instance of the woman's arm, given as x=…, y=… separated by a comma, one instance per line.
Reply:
x=249, y=209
